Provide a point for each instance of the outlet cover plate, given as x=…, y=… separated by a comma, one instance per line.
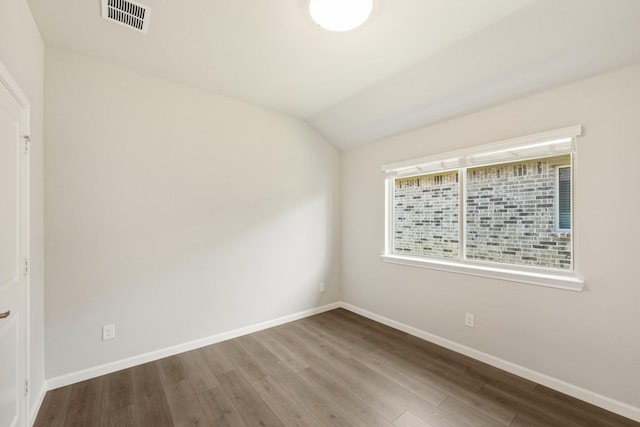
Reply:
x=108, y=332
x=469, y=320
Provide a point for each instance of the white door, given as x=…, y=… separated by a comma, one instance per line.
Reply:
x=13, y=188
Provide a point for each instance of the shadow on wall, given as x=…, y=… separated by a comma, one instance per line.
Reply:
x=176, y=214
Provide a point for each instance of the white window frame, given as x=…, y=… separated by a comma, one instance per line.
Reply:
x=545, y=144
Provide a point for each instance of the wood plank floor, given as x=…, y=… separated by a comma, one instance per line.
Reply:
x=332, y=369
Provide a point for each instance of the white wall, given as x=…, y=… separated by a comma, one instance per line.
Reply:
x=175, y=213
x=22, y=53
x=587, y=339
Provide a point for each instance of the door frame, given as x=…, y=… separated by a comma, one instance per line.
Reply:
x=12, y=86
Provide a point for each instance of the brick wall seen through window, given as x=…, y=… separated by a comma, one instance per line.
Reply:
x=515, y=213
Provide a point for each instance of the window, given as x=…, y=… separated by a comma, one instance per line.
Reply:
x=425, y=215
x=564, y=198
x=502, y=210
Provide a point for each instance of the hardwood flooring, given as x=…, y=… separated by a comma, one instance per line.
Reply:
x=332, y=369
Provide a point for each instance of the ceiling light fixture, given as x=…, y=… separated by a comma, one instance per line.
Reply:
x=340, y=15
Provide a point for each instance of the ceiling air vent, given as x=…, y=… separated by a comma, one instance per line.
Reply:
x=133, y=15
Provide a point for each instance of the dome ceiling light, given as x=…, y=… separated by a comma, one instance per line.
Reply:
x=340, y=15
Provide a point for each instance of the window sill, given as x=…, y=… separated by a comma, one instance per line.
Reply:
x=559, y=281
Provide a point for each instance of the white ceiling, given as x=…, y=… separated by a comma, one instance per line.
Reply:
x=415, y=62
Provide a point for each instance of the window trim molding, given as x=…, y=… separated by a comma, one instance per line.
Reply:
x=539, y=276
x=411, y=167
x=544, y=278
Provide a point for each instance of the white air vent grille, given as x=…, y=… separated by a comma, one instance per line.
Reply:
x=131, y=14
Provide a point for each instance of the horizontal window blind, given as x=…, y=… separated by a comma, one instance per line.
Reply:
x=545, y=144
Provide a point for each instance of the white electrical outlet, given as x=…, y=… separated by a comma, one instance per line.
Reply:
x=469, y=320
x=108, y=332
x=322, y=287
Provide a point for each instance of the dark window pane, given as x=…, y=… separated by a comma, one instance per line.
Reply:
x=564, y=198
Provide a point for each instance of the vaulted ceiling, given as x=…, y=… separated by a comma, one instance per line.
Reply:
x=414, y=63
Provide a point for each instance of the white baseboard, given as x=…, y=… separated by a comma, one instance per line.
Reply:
x=33, y=410
x=605, y=402
x=129, y=362
x=596, y=399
